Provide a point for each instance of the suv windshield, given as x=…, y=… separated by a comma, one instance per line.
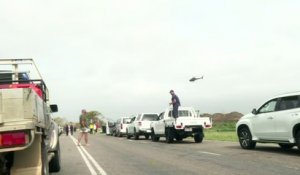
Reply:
x=149, y=117
x=182, y=113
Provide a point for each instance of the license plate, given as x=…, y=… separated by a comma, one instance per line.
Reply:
x=187, y=129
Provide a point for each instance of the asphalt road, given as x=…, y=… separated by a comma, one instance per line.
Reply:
x=119, y=156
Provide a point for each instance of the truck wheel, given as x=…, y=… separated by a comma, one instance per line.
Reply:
x=154, y=138
x=245, y=138
x=178, y=139
x=135, y=135
x=198, y=138
x=54, y=165
x=169, y=135
x=298, y=140
x=44, y=156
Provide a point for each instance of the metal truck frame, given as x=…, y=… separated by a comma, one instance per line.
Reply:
x=29, y=138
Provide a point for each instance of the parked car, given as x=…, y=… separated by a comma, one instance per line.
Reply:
x=188, y=124
x=140, y=125
x=121, y=126
x=276, y=121
x=110, y=128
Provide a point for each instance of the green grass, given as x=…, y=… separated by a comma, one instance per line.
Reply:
x=223, y=131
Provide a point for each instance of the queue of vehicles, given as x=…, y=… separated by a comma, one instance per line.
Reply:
x=154, y=125
x=276, y=121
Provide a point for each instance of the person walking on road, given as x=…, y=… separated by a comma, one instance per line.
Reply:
x=71, y=129
x=175, y=102
x=67, y=129
x=83, y=127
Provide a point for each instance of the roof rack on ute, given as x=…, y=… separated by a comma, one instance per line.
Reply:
x=22, y=73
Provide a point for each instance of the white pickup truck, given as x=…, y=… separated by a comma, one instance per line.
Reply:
x=188, y=124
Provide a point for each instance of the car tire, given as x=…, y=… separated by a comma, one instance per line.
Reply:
x=198, y=137
x=44, y=157
x=127, y=135
x=298, y=140
x=245, y=138
x=169, y=135
x=135, y=135
x=54, y=164
x=154, y=138
x=147, y=136
x=285, y=146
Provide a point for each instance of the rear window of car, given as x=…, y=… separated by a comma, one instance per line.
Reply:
x=149, y=117
x=182, y=113
x=126, y=120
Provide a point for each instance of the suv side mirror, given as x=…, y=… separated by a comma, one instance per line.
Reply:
x=53, y=108
x=254, y=111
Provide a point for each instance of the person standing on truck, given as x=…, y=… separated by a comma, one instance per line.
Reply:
x=84, y=129
x=175, y=102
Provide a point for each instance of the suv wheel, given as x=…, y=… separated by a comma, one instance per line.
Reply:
x=153, y=137
x=298, y=140
x=285, y=146
x=127, y=135
x=245, y=138
x=135, y=135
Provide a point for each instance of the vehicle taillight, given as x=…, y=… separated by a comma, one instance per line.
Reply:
x=121, y=126
x=179, y=126
x=13, y=139
x=207, y=125
x=140, y=123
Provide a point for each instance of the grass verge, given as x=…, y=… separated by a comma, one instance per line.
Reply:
x=223, y=131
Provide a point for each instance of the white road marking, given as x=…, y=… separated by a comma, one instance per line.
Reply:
x=92, y=170
x=99, y=168
x=210, y=153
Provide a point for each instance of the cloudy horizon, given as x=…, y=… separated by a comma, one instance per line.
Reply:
x=123, y=57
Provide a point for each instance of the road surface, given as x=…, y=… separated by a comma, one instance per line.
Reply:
x=107, y=155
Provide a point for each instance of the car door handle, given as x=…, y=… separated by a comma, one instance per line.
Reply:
x=296, y=114
x=270, y=118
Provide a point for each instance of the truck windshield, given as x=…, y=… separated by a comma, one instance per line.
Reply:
x=149, y=117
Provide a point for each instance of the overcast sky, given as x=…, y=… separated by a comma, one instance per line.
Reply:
x=122, y=57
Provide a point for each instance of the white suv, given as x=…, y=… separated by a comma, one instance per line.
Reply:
x=121, y=126
x=140, y=125
x=276, y=121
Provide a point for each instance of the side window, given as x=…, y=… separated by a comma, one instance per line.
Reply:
x=288, y=103
x=139, y=117
x=268, y=107
x=161, y=116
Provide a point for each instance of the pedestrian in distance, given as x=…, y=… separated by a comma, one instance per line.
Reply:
x=71, y=129
x=91, y=128
x=67, y=129
x=84, y=129
x=175, y=102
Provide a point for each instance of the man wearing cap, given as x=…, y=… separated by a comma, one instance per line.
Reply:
x=175, y=102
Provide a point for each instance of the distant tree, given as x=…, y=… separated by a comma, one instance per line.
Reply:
x=60, y=121
x=92, y=116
